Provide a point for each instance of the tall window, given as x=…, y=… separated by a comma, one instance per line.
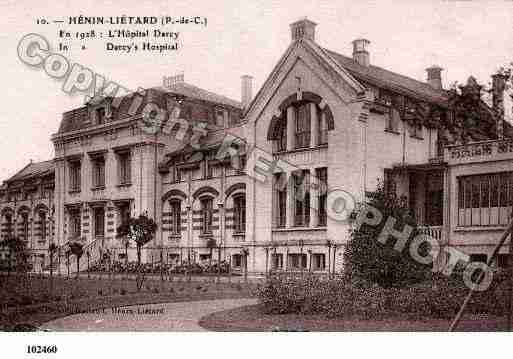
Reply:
x=277, y=260
x=206, y=215
x=75, y=223
x=25, y=225
x=393, y=120
x=241, y=165
x=281, y=140
x=323, y=129
x=301, y=198
x=74, y=176
x=485, y=200
x=176, y=175
x=415, y=130
x=124, y=213
x=318, y=261
x=239, y=204
x=100, y=115
x=237, y=261
x=8, y=225
x=99, y=221
x=322, y=179
x=99, y=172
x=280, y=187
x=303, y=125
x=176, y=211
x=208, y=168
x=220, y=117
x=297, y=260
x=125, y=168
x=42, y=219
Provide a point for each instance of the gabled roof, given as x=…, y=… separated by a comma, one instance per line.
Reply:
x=390, y=80
x=319, y=53
x=34, y=169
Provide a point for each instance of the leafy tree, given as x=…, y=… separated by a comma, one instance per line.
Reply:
x=141, y=231
x=369, y=260
x=138, y=229
x=77, y=249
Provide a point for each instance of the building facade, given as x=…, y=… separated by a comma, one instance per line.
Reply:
x=321, y=122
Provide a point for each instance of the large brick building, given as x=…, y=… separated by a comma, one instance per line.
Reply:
x=327, y=120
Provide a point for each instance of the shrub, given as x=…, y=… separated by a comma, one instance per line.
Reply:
x=25, y=300
x=438, y=298
x=122, y=291
x=378, y=263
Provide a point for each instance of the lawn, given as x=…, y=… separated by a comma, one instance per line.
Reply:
x=26, y=302
x=251, y=318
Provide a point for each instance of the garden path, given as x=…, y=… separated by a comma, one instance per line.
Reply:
x=179, y=316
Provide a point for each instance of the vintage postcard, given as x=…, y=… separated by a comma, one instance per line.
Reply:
x=258, y=166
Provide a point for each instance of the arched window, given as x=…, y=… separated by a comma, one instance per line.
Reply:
x=176, y=220
x=302, y=123
x=206, y=215
x=239, y=207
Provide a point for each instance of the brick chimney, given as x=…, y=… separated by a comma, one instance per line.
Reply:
x=246, y=90
x=498, y=88
x=360, y=53
x=434, y=77
x=303, y=29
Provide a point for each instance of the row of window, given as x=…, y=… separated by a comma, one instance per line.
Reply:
x=207, y=168
x=124, y=162
x=301, y=183
x=42, y=193
x=75, y=220
x=485, y=200
x=302, y=128
x=299, y=261
x=207, y=210
x=42, y=217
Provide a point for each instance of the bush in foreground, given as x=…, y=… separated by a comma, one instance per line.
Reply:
x=438, y=298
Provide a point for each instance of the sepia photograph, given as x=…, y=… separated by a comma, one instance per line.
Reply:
x=267, y=167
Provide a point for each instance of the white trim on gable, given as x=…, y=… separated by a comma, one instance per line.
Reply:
x=311, y=56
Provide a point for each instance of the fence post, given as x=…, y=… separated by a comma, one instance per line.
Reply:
x=334, y=258
x=266, y=262
x=510, y=294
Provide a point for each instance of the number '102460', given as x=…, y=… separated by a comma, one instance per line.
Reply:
x=41, y=349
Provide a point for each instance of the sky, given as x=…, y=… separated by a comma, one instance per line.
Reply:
x=242, y=37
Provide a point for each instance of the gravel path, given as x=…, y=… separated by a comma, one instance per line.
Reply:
x=181, y=316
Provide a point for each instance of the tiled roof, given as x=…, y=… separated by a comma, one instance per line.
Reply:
x=189, y=90
x=78, y=118
x=387, y=79
x=34, y=169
